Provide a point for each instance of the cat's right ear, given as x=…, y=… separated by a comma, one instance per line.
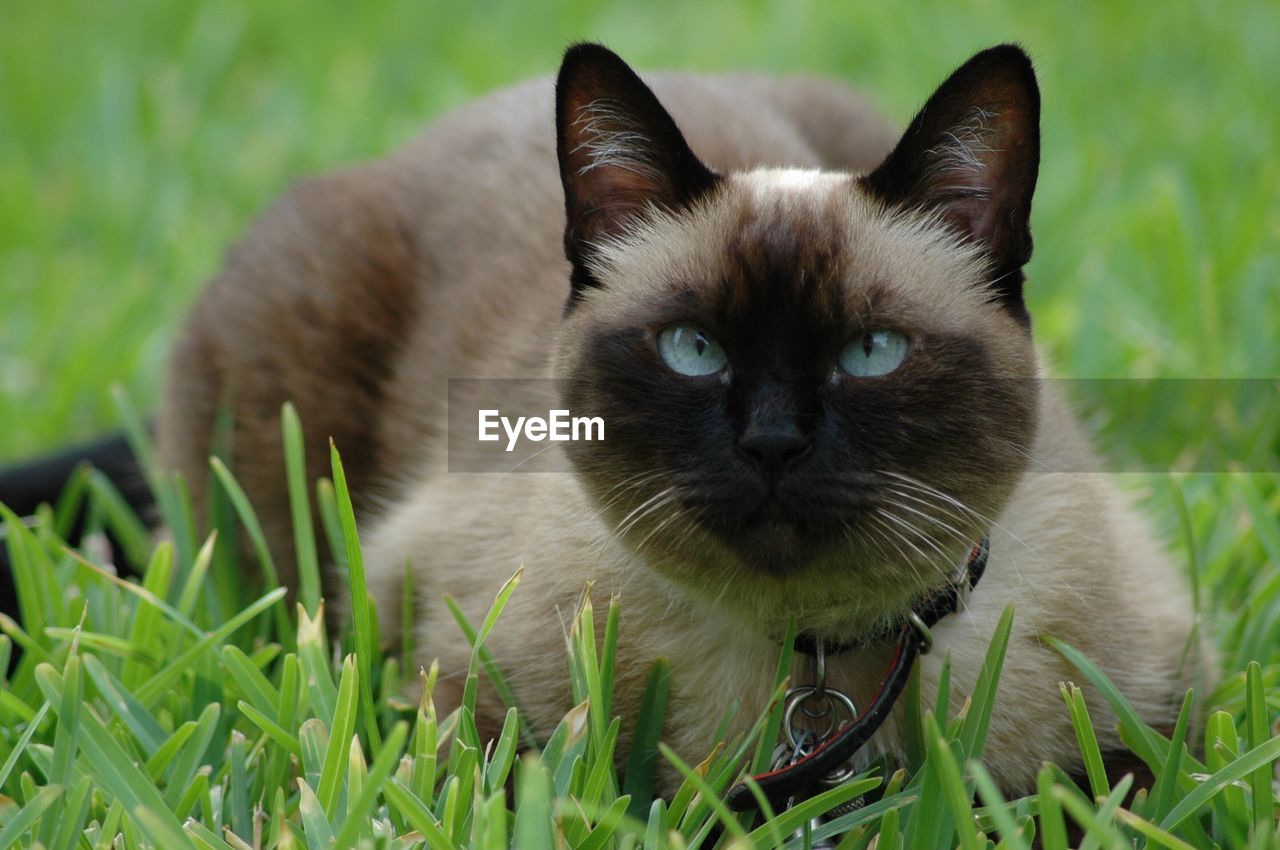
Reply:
x=620, y=154
x=972, y=155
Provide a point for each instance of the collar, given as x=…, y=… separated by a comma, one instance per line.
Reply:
x=929, y=608
x=914, y=638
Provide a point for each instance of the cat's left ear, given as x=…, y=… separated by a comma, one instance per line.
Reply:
x=972, y=154
x=620, y=153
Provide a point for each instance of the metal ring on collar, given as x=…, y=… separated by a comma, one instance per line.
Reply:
x=818, y=669
x=923, y=632
x=797, y=696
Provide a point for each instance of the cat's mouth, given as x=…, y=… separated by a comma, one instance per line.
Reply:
x=773, y=531
x=772, y=539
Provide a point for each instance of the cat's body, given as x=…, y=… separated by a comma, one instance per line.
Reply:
x=360, y=295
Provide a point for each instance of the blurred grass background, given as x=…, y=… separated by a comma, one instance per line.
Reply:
x=138, y=139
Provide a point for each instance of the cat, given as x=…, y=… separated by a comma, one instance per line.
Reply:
x=808, y=338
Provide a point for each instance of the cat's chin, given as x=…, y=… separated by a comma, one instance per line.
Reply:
x=774, y=546
x=771, y=547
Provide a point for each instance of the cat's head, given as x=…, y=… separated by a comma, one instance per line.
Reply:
x=816, y=385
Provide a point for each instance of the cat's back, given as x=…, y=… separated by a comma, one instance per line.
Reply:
x=488, y=169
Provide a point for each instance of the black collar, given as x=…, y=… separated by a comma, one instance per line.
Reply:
x=930, y=608
x=914, y=639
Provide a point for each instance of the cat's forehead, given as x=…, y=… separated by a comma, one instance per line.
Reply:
x=794, y=239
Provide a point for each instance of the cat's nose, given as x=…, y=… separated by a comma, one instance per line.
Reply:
x=774, y=448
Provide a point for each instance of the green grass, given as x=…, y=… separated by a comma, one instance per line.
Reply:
x=135, y=143
x=138, y=716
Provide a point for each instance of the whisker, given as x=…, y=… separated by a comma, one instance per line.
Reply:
x=955, y=532
x=927, y=559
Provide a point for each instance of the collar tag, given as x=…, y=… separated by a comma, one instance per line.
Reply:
x=829, y=761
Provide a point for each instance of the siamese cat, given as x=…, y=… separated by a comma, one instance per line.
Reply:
x=808, y=338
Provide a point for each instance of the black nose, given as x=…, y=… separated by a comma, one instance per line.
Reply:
x=774, y=448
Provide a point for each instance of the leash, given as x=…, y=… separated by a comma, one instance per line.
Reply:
x=802, y=763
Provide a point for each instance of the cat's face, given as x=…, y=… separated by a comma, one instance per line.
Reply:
x=814, y=383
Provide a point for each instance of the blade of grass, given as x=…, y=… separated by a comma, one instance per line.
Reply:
x=340, y=730
x=1149, y=745
x=155, y=687
x=504, y=754
x=195, y=581
x=492, y=670
x=120, y=518
x=273, y=730
x=32, y=608
x=134, y=589
x=29, y=815
x=947, y=772
x=123, y=704
x=362, y=619
x=314, y=658
x=255, y=686
x=75, y=811
x=187, y=763
x=64, y=741
x=116, y=770
x=997, y=807
x=315, y=824
x=163, y=757
x=1221, y=748
x=378, y=777
x=1053, y=829
x=532, y=829
x=1086, y=739
x=1151, y=831
x=865, y=815
x=304, y=532
x=1096, y=822
x=419, y=816
x=802, y=813
x=24, y=741
x=148, y=629
x=249, y=520
x=67, y=509
x=606, y=825
x=1162, y=794
x=327, y=504
x=973, y=731
x=1255, y=760
x=642, y=760
x=709, y=796
x=1256, y=728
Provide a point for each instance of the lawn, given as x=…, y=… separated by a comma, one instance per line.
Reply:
x=137, y=141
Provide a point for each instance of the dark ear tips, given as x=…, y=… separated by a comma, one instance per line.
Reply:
x=587, y=52
x=1008, y=55
x=620, y=152
x=972, y=154
x=582, y=62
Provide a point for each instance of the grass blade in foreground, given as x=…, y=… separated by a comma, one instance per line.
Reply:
x=304, y=532
x=362, y=620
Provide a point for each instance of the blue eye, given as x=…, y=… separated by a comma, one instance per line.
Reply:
x=691, y=351
x=874, y=353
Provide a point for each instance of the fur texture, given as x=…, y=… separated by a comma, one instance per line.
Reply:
x=798, y=224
